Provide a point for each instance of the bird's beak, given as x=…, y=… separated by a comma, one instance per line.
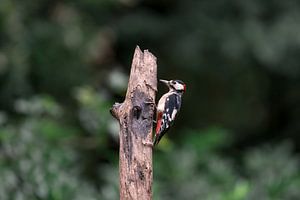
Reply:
x=164, y=81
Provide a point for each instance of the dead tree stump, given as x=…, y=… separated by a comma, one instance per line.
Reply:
x=135, y=116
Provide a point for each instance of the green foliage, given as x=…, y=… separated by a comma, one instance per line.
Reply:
x=39, y=160
x=64, y=63
x=274, y=173
x=207, y=140
x=91, y=112
x=38, y=155
x=265, y=173
x=34, y=168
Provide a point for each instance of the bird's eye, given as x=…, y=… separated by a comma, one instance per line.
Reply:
x=173, y=82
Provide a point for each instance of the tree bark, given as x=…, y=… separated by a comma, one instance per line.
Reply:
x=135, y=116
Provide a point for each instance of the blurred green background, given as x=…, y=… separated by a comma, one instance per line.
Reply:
x=64, y=63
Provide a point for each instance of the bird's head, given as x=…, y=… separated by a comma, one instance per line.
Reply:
x=176, y=85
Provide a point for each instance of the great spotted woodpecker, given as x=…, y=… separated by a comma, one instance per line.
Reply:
x=167, y=108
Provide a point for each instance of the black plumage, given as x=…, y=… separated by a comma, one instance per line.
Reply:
x=171, y=108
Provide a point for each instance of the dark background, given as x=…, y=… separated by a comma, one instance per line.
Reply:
x=64, y=63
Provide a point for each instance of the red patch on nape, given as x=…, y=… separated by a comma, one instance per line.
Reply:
x=184, y=87
x=158, y=122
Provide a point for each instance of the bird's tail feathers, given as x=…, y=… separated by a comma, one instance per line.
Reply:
x=157, y=138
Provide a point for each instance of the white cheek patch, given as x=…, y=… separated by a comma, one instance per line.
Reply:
x=179, y=86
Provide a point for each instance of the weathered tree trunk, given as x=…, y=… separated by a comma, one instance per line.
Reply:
x=135, y=116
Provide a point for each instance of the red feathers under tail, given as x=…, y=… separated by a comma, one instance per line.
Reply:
x=158, y=122
x=157, y=131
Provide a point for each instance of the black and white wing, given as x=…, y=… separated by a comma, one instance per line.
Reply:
x=172, y=107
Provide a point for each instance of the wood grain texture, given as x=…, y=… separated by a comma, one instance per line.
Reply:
x=135, y=116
